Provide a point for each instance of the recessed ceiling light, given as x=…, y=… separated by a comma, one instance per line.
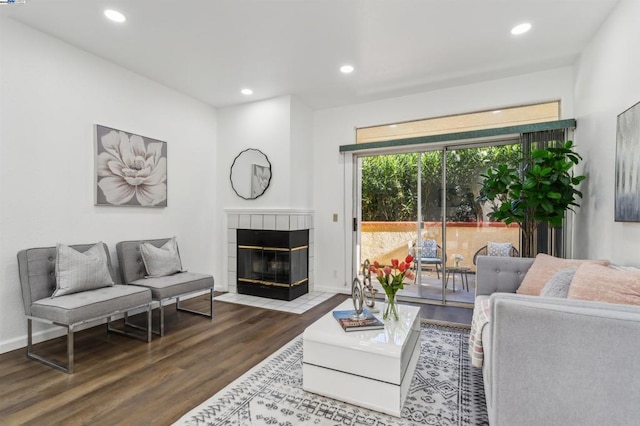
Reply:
x=346, y=69
x=498, y=111
x=114, y=15
x=246, y=92
x=521, y=29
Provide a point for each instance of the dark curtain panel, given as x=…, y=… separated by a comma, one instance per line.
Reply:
x=547, y=240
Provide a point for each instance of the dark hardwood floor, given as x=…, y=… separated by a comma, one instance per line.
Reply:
x=124, y=381
x=444, y=313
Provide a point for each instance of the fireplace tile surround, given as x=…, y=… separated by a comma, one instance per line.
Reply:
x=272, y=219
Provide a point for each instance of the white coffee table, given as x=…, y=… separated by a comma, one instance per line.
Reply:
x=371, y=369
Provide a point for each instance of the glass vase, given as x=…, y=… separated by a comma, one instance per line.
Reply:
x=390, y=307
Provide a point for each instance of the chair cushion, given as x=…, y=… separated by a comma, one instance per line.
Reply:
x=90, y=304
x=161, y=261
x=499, y=249
x=429, y=249
x=175, y=285
x=80, y=271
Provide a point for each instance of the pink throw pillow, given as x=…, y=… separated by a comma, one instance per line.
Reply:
x=604, y=284
x=545, y=267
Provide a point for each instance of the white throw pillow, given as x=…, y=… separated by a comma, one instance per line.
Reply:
x=429, y=249
x=76, y=271
x=558, y=285
x=161, y=261
x=499, y=249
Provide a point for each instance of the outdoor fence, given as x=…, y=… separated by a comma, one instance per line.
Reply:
x=383, y=241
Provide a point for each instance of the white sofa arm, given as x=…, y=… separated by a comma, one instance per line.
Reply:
x=563, y=362
x=500, y=274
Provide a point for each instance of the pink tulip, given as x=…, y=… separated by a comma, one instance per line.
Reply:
x=410, y=275
x=387, y=270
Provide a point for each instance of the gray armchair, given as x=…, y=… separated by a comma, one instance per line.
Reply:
x=70, y=311
x=166, y=288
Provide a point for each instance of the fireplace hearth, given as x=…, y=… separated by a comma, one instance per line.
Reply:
x=273, y=264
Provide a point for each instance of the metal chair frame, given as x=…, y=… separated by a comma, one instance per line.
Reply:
x=71, y=328
x=162, y=304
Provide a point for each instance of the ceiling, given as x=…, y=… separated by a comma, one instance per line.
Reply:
x=210, y=49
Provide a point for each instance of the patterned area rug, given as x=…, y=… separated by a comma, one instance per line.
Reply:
x=445, y=390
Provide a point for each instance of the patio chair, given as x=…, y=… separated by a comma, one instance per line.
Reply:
x=484, y=251
x=430, y=253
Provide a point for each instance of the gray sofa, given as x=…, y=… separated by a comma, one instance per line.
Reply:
x=163, y=289
x=551, y=361
x=37, y=279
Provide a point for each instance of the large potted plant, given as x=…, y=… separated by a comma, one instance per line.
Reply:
x=540, y=193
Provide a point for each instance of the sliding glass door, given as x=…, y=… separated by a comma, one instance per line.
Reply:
x=425, y=203
x=469, y=232
x=387, y=208
x=395, y=190
x=428, y=244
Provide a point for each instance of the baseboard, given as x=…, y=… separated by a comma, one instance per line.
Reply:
x=326, y=289
x=51, y=332
x=40, y=336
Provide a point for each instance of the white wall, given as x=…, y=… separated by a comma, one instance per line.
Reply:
x=301, y=153
x=607, y=84
x=263, y=125
x=334, y=127
x=51, y=95
x=281, y=128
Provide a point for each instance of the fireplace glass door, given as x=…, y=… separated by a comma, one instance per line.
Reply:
x=273, y=264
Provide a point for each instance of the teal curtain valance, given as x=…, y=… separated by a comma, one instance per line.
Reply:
x=460, y=136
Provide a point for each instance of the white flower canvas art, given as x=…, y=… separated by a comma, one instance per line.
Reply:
x=131, y=170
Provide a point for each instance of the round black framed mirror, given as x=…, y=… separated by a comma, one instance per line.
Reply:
x=250, y=174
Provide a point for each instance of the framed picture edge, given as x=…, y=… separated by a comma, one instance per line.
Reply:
x=617, y=215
